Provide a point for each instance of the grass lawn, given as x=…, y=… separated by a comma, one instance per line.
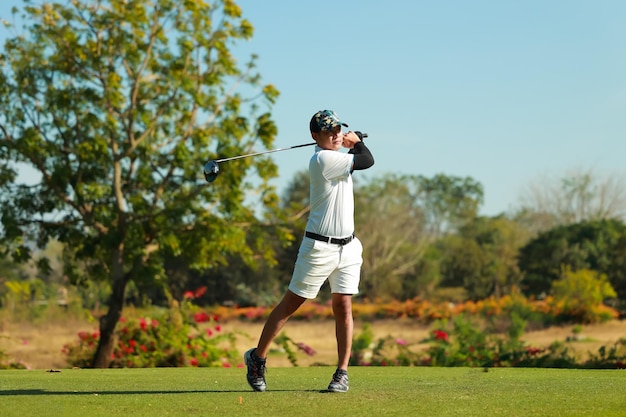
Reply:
x=374, y=391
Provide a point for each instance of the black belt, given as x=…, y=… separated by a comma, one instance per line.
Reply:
x=343, y=241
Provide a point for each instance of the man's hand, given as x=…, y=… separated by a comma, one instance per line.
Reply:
x=349, y=139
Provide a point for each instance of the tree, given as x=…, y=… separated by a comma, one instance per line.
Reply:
x=390, y=225
x=398, y=218
x=617, y=269
x=482, y=256
x=578, y=196
x=295, y=207
x=587, y=245
x=500, y=239
x=447, y=202
x=9, y=271
x=117, y=104
x=464, y=264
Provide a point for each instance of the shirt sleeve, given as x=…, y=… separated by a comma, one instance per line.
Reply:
x=334, y=164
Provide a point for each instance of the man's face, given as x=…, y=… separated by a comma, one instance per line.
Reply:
x=331, y=140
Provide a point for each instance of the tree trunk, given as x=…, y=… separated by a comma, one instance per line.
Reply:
x=102, y=357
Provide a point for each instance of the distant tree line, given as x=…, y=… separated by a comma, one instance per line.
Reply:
x=422, y=238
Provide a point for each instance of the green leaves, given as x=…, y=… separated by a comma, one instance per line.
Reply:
x=587, y=245
x=582, y=291
x=415, y=212
x=117, y=105
x=123, y=104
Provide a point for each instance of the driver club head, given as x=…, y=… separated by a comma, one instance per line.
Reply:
x=210, y=171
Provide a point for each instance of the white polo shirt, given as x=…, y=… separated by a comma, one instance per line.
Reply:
x=332, y=197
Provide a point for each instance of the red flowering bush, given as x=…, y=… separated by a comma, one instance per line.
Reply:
x=466, y=343
x=441, y=336
x=171, y=339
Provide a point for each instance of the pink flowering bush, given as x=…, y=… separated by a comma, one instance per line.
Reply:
x=6, y=362
x=287, y=344
x=388, y=351
x=182, y=336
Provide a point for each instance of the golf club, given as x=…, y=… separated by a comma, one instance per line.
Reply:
x=211, y=169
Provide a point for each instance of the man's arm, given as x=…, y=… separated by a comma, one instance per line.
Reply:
x=363, y=158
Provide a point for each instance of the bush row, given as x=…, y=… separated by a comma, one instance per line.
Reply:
x=548, y=310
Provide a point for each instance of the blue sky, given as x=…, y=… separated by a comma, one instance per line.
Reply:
x=502, y=91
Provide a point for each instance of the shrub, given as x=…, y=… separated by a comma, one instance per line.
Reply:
x=581, y=293
x=6, y=362
x=181, y=336
x=286, y=343
x=384, y=352
x=539, y=313
x=464, y=342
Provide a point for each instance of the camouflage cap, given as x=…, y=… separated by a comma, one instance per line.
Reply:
x=325, y=120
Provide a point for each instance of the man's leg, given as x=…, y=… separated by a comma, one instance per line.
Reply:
x=344, y=283
x=276, y=320
x=255, y=357
x=344, y=328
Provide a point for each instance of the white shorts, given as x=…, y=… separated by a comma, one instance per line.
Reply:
x=318, y=261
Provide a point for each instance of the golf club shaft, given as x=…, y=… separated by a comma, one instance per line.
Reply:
x=361, y=136
x=263, y=152
x=211, y=169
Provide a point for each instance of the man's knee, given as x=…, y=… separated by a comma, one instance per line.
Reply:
x=342, y=304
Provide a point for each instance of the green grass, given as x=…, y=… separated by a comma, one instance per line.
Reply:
x=390, y=391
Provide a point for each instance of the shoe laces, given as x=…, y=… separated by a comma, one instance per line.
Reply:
x=340, y=377
x=258, y=368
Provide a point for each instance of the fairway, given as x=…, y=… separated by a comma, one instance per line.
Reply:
x=374, y=391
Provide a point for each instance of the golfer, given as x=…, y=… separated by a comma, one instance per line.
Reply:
x=329, y=250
